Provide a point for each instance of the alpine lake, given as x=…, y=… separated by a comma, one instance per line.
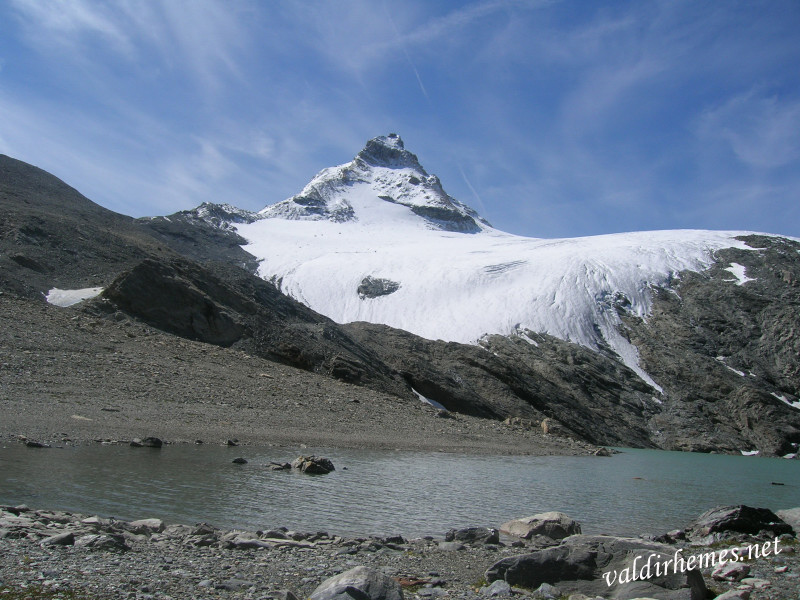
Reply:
x=390, y=492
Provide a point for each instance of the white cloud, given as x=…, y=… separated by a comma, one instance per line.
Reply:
x=202, y=37
x=762, y=131
x=68, y=22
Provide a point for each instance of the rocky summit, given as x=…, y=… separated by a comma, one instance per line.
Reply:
x=373, y=276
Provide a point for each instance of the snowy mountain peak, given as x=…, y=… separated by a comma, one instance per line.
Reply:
x=384, y=185
x=389, y=151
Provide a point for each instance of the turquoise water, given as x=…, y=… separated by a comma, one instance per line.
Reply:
x=386, y=492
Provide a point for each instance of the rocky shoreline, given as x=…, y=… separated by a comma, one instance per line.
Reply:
x=56, y=554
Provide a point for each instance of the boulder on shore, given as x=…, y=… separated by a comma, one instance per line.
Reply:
x=359, y=583
x=737, y=519
x=792, y=517
x=555, y=525
x=605, y=566
x=473, y=535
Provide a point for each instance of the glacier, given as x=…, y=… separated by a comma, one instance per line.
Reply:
x=382, y=216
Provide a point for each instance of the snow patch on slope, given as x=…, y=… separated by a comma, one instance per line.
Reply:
x=64, y=298
x=782, y=398
x=738, y=271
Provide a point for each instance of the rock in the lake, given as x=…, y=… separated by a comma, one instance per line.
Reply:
x=360, y=583
x=148, y=442
x=474, y=535
x=33, y=444
x=276, y=466
x=603, y=566
x=737, y=519
x=313, y=465
x=239, y=461
x=554, y=524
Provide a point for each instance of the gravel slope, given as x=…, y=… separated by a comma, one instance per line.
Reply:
x=65, y=374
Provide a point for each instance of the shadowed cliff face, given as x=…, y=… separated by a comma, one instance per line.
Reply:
x=726, y=352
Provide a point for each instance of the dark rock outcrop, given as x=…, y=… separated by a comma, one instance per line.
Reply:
x=737, y=519
x=229, y=307
x=603, y=566
x=727, y=353
x=374, y=287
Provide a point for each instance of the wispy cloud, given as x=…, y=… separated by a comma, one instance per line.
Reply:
x=762, y=130
x=200, y=37
x=66, y=23
x=632, y=115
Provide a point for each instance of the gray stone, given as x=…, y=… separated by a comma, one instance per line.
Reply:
x=734, y=595
x=792, y=517
x=146, y=526
x=431, y=592
x=554, y=524
x=152, y=442
x=105, y=541
x=234, y=585
x=756, y=582
x=360, y=583
x=547, y=592
x=451, y=546
x=479, y=535
x=496, y=588
x=731, y=571
x=239, y=461
x=62, y=539
x=602, y=566
x=282, y=595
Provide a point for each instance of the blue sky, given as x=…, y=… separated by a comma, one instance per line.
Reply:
x=550, y=118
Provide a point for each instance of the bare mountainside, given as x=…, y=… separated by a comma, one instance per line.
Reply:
x=716, y=345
